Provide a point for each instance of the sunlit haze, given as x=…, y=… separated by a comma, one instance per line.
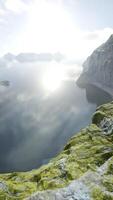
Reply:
x=51, y=26
x=53, y=77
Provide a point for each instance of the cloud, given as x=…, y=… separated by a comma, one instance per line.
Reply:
x=2, y=15
x=8, y=7
x=2, y=12
x=3, y=22
x=76, y=50
x=88, y=41
x=91, y=36
x=98, y=34
x=41, y=29
x=16, y=6
x=8, y=11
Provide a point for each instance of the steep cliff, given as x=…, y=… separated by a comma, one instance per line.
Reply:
x=98, y=68
x=82, y=171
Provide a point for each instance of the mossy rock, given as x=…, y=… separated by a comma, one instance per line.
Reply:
x=108, y=183
x=110, y=168
x=99, y=194
x=98, y=117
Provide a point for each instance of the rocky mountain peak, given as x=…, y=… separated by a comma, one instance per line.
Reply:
x=110, y=40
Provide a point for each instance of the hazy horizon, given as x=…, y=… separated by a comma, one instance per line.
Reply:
x=73, y=28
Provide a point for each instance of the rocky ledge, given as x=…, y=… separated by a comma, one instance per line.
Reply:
x=98, y=68
x=82, y=171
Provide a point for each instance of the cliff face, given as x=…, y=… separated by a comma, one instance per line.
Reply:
x=82, y=171
x=98, y=68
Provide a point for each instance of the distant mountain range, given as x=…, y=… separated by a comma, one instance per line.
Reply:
x=98, y=68
x=31, y=57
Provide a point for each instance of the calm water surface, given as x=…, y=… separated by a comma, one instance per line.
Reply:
x=35, y=124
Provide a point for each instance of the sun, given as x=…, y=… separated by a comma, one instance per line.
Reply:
x=49, y=28
x=53, y=78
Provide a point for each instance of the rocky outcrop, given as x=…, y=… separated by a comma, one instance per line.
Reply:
x=96, y=185
x=82, y=171
x=98, y=68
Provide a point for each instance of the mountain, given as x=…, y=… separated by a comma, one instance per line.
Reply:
x=98, y=68
x=34, y=57
x=82, y=171
x=30, y=57
x=9, y=57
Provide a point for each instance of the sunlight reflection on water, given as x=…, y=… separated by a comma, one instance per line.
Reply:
x=34, y=123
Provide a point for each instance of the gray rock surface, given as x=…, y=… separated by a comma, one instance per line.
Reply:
x=75, y=191
x=98, y=68
x=79, y=189
x=107, y=126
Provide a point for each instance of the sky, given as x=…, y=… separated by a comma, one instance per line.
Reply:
x=72, y=27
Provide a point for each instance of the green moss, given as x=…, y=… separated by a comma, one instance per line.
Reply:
x=107, y=109
x=99, y=194
x=108, y=182
x=98, y=117
x=109, y=170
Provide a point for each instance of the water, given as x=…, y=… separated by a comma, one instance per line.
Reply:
x=35, y=124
